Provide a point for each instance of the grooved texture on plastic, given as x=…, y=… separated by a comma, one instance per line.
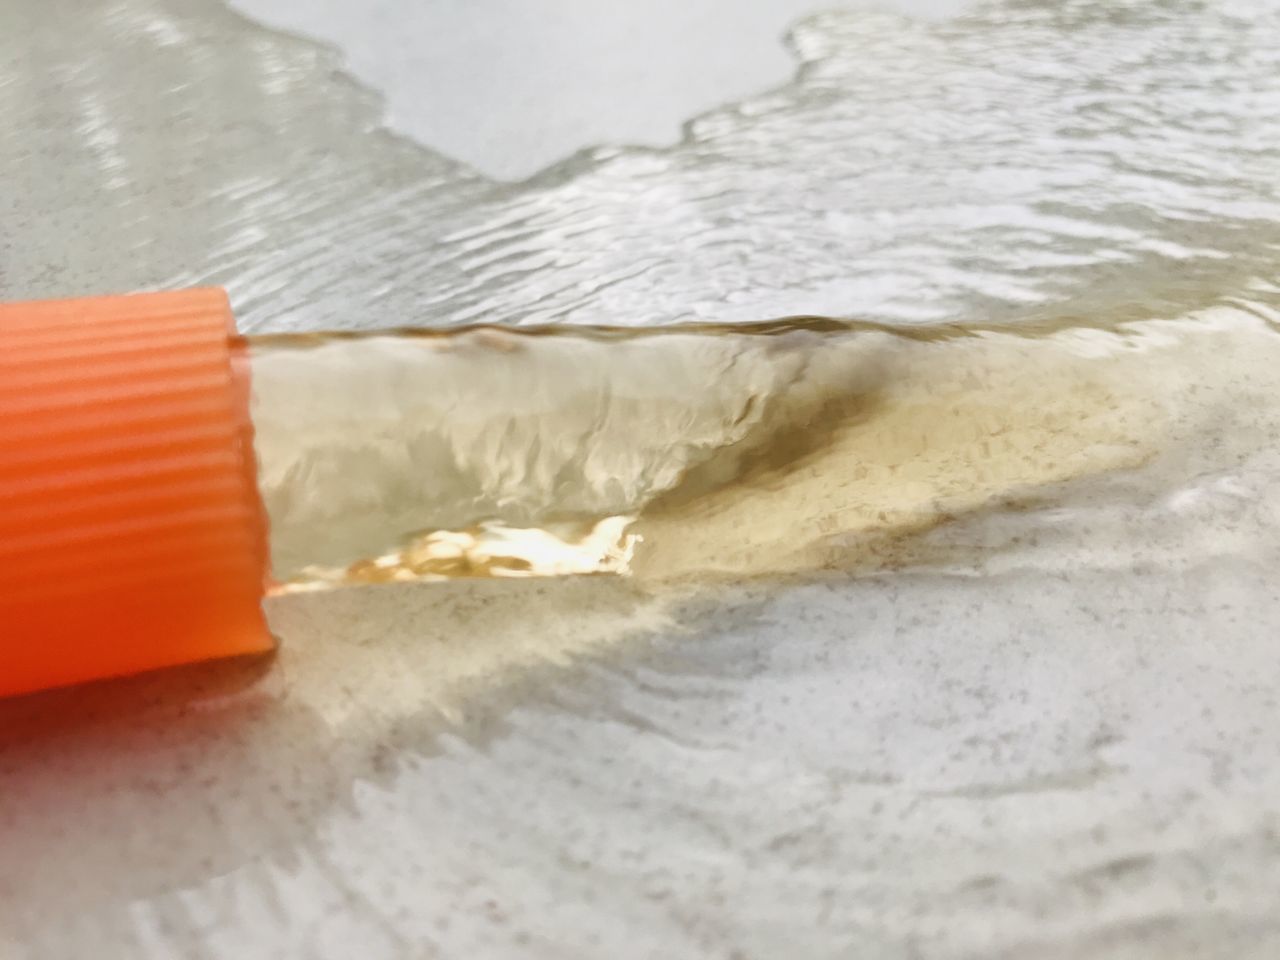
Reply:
x=131, y=532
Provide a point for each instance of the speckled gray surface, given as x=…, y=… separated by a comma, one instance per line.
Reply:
x=1042, y=728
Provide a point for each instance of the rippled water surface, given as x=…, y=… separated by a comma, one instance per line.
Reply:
x=982, y=667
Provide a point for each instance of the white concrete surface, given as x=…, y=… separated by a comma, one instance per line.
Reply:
x=511, y=87
x=1041, y=729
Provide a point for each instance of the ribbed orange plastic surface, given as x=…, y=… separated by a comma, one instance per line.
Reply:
x=131, y=533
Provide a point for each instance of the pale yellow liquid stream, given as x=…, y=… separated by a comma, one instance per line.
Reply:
x=704, y=450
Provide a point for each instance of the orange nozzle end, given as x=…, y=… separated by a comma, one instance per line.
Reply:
x=131, y=531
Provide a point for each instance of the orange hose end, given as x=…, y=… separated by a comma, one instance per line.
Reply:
x=131, y=531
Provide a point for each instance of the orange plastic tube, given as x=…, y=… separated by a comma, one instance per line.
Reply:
x=131, y=531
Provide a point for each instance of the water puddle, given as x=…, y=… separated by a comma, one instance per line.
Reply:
x=1023, y=169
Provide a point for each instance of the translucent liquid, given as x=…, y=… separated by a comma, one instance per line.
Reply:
x=683, y=451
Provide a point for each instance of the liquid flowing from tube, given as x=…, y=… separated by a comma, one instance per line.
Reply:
x=683, y=451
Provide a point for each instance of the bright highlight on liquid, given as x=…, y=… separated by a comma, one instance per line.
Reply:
x=487, y=550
